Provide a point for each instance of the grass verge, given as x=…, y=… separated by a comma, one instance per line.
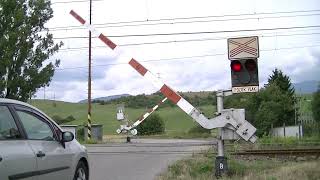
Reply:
x=200, y=167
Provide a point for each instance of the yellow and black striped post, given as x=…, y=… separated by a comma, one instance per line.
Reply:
x=89, y=80
x=89, y=126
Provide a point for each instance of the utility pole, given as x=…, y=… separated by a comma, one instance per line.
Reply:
x=89, y=78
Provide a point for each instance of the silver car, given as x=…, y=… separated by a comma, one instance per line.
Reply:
x=34, y=147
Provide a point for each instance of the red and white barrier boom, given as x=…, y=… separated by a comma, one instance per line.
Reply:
x=233, y=117
x=124, y=128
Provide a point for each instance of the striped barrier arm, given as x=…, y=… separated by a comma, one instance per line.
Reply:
x=142, y=118
x=165, y=89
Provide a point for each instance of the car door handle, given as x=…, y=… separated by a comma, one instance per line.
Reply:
x=41, y=154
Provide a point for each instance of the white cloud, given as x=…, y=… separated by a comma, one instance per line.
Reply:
x=189, y=74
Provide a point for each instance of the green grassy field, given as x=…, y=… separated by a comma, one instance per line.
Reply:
x=176, y=121
x=201, y=167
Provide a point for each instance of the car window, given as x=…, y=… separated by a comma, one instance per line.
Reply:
x=8, y=127
x=35, y=128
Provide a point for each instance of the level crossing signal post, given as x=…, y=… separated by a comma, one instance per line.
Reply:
x=243, y=53
x=244, y=75
x=231, y=121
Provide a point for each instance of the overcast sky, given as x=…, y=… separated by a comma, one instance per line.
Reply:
x=193, y=62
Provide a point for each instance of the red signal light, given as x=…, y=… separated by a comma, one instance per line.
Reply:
x=251, y=65
x=236, y=66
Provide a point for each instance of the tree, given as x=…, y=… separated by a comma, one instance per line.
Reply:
x=282, y=81
x=271, y=106
x=315, y=105
x=25, y=45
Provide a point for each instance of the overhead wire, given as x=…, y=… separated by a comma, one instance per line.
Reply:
x=188, y=22
x=184, y=58
x=199, y=32
x=185, y=40
x=130, y=23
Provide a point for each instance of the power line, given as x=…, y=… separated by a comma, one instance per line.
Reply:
x=195, y=17
x=185, y=58
x=188, y=22
x=199, y=32
x=186, y=40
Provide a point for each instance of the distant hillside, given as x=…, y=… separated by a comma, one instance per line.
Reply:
x=143, y=100
x=306, y=87
x=106, y=99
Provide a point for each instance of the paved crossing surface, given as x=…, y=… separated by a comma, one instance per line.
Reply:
x=143, y=159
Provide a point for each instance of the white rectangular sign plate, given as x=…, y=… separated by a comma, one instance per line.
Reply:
x=243, y=48
x=245, y=89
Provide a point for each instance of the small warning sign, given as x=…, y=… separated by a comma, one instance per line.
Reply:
x=245, y=89
x=243, y=48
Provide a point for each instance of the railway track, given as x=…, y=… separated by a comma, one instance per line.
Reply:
x=266, y=152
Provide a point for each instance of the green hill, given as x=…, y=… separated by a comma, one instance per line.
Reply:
x=176, y=121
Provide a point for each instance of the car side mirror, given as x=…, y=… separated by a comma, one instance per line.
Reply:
x=67, y=136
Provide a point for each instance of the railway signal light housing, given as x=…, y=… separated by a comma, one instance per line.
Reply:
x=244, y=75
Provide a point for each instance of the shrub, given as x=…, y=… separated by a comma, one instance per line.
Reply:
x=69, y=119
x=152, y=125
x=60, y=120
x=311, y=129
x=57, y=119
x=80, y=133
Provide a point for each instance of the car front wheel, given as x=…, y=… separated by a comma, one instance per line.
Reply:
x=81, y=172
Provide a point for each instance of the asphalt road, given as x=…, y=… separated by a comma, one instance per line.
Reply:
x=142, y=159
